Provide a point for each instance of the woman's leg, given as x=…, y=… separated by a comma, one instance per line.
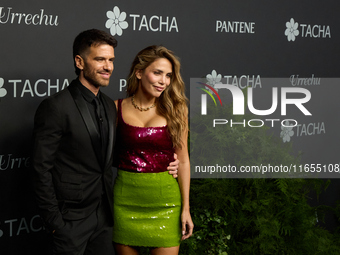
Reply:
x=165, y=251
x=122, y=249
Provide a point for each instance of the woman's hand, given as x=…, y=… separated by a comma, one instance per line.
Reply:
x=187, y=224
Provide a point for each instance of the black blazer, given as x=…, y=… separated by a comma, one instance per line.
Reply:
x=67, y=175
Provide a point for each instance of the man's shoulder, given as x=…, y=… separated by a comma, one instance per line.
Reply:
x=62, y=94
x=59, y=100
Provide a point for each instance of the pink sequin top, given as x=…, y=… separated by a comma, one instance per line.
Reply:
x=142, y=149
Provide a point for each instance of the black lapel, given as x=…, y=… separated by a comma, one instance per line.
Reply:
x=84, y=112
x=111, y=118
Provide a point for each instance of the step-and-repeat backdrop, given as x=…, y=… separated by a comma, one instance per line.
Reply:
x=236, y=42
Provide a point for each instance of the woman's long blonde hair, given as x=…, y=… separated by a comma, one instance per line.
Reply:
x=172, y=104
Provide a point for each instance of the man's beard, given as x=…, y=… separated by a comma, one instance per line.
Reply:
x=92, y=78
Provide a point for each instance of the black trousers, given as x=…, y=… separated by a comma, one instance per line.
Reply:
x=89, y=236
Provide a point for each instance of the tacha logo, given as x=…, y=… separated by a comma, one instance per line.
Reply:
x=242, y=81
x=306, y=30
x=117, y=22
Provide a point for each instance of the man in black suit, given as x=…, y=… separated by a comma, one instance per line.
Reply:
x=74, y=135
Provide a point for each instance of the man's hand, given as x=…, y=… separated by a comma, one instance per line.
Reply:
x=173, y=167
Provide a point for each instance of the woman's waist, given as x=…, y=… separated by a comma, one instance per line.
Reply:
x=145, y=158
x=155, y=168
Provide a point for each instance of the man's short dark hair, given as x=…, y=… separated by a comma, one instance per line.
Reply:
x=88, y=38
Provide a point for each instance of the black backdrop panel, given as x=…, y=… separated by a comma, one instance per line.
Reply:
x=234, y=38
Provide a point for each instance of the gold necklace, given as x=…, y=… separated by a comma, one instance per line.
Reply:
x=141, y=108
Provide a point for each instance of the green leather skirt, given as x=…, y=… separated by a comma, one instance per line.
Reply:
x=147, y=209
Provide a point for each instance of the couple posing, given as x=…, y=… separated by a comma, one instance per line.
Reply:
x=79, y=133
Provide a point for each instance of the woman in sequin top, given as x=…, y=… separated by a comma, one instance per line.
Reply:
x=151, y=208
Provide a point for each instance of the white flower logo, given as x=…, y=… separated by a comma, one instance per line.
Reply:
x=116, y=22
x=291, y=30
x=287, y=132
x=3, y=92
x=214, y=78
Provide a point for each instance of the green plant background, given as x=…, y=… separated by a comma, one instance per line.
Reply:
x=253, y=215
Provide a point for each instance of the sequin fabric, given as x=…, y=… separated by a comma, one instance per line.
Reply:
x=147, y=209
x=142, y=149
x=147, y=200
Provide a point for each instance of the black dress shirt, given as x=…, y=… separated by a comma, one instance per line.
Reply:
x=102, y=120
